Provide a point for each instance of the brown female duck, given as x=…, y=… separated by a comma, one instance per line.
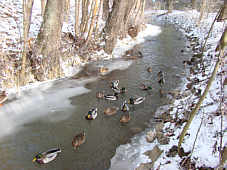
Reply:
x=3, y=97
x=78, y=140
x=111, y=110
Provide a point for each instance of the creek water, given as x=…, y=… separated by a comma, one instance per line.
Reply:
x=51, y=116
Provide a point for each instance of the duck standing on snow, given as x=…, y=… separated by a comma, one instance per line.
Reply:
x=92, y=114
x=3, y=97
x=111, y=97
x=46, y=157
x=136, y=100
x=124, y=107
x=78, y=140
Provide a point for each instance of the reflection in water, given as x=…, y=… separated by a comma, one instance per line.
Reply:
x=52, y=116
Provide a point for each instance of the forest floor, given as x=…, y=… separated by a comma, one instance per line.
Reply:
x=208, y=131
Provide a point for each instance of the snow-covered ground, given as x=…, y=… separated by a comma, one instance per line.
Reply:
x=206, y=153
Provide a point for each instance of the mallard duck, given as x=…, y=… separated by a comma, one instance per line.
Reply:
x=3, y=97
x=145, y=87
x=103, y=69
x=114, y=84
x=92, y=114
x=111, y=97
x=136, y=100
x=78, y=140
x=125, y=118
x=117, y=90
x=111, y=110
x=161, y=80
x=124, y=107
x=100, y=95
x=46, y=157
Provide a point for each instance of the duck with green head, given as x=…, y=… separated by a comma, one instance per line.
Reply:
x=46, y=157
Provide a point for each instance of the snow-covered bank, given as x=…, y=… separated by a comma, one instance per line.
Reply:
x=206, y=152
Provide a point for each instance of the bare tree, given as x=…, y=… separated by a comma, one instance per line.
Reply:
x=223, y=14
x=48, y=41
x=27, y=13
x=43, y=5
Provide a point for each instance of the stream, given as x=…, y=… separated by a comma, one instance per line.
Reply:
x=52, y=114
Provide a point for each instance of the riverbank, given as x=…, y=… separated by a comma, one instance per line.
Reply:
x=206, y=126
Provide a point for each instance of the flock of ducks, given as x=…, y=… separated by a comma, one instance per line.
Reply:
x=79, y=139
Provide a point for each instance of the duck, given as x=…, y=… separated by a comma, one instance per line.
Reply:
x=3, y=97
x=99, y=95
x=111, y=97
x=145, y=87
x=78, y=140
x=149, y=69
x=114, y=84
x=111, y=110
x=92, y=114
x=46, y=157
x=125, y=118
x=161, y=80
x=124, y=107
x=136, y=100
x=122, y=90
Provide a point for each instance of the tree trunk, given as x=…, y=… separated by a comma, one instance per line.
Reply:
x=77, y=17
x=27, y=13
x=202, y=10
x=193, y=4
x=43, y=5
x=48, y=40
x=92, y=21
x=113, y=25
x=67, y=10
x=106, y=9
x=170, y=6
x=223, y=14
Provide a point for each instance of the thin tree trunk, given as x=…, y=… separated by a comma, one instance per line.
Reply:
x=97, y=20
x=27, y=13
x=77, y=16
x=193, y=4
x=43, y=5
x=92, y=21
x=202, y=11
x=67, y=10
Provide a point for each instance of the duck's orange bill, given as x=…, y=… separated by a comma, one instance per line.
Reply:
x=34, y=160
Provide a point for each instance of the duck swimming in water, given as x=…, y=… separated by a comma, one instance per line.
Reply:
x=100, y=95
x=145, y=87
x=3, y=97
x=136, y=100
x=78, y=140
x=117, y=90
x=125, y=118
x=161, y=80
x=124, y=107
x=111, y=110
x=46, y=157
x=92, y=114
x=114, y=84
x=111, y=97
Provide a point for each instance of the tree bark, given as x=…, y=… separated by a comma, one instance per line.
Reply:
x=106, y=9
x=77, y=16
x=193, y=4
x=27, y=13
x=48, y=40
x=223, y=14
x=113, y=24
x=43, y=5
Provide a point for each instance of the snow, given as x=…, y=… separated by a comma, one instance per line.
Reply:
x=204, y=153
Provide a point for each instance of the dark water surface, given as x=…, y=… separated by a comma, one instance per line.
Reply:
x=104, y=134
